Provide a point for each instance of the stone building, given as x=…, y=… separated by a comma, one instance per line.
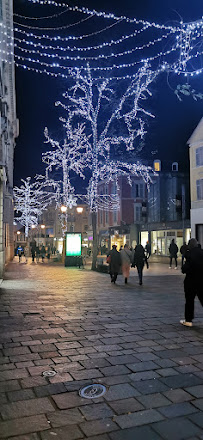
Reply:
x=8, y=132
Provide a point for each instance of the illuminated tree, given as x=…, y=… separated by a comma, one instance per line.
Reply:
x=30, y=200
x=110, y=120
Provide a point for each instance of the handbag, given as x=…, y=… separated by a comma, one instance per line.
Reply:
x=108, y=259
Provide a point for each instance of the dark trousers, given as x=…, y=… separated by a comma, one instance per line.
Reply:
x=113, y=276
x=175, y=258
x=190, y=293
x=139, y=271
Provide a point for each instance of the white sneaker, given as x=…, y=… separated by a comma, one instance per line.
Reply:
x=176, y=268
x=170, y=267
x=186, y=323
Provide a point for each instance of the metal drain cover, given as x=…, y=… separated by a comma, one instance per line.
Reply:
x=49, y=373
x=92, y=391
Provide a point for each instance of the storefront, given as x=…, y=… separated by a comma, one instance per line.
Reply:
x=160, y=240
x=119, y=237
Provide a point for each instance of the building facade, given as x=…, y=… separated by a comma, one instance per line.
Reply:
x=8, y=132
x=196, y=182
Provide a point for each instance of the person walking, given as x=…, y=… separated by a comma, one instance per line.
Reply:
x=37, y=253
x=19, y=253
x=147, y=254
x=26, y=252
x=173, y=250
x=43, y=253
x=126, y=261
x=193, y=282
x=139, y=259
x=114, y=259
x=33, y=249
x=183, y=251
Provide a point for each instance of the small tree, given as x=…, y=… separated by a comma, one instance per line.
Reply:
x=30, y=200
x=111, y=119
x=70, y=156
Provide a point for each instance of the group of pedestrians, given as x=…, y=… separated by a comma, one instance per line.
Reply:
x=37, y=252
x=127, y=258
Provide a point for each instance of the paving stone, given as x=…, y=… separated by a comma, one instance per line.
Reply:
x=115, y=370
x=126, y=405
x=86, y=374
x=97, y=427
x=14, y=396
x=98, y=411
x=26, y=408
x=47, y=390
x=18, y=373
x=146, y=356
x=116, y=392
x=150, y=386
x=153, y=400
x=177, y=429
x=23, y=425
x=187, y=369
x=9, y=385
x=95, y=363
x=72, y=433
x=139, y=433
x=181, y=381
x=198, y=403
x=178, y=395
x=196, y=391
x=142, y=366
x=177, y=410
x=144, y=375
x=70, y=416
x=27, y=437
x=119, y=360
x=138, y=418
x=33, y=382
x=114, y=380
x=197, y=419
x=166, y=363
x=3, y=398
x=70, y=400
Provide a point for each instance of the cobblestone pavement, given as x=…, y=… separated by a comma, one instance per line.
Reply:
x=126, y=337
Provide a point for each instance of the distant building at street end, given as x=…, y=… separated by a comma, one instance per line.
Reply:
x=8, y=133
x=196, y=182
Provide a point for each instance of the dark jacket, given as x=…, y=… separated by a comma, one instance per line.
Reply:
x=183, y=249
x=173, y=249
x=115, y=262
x=139, y=256
x=193, y=267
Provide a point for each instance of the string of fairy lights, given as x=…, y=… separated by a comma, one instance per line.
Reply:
x=177, y=48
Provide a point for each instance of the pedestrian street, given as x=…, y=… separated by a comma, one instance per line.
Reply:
x=85, y=330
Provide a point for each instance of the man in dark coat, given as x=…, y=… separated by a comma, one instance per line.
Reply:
x=183, y=251
x=139, y=259
x=115, y=263
x=193, y=268
x=173, y=250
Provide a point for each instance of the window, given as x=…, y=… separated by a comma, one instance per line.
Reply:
x=157, y=165
x=101, y=217
x=199, y=156
x=107, y=217
x=138, y=213
x=175, y=166
x=115, y=216
x=137, y=190
x=199, y=184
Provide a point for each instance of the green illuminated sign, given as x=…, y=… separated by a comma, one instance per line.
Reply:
x=73, y=245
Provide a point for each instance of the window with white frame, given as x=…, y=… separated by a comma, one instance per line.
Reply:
x=199, y=156
x=199, y=184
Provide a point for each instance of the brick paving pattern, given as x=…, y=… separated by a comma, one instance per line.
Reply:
x=126, y=337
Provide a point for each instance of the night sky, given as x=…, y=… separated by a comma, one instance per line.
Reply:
x=36, y=94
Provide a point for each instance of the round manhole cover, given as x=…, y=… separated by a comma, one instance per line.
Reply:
x=49, y=373
x=92, y=391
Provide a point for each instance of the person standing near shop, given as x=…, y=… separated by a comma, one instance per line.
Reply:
x=126, y=261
